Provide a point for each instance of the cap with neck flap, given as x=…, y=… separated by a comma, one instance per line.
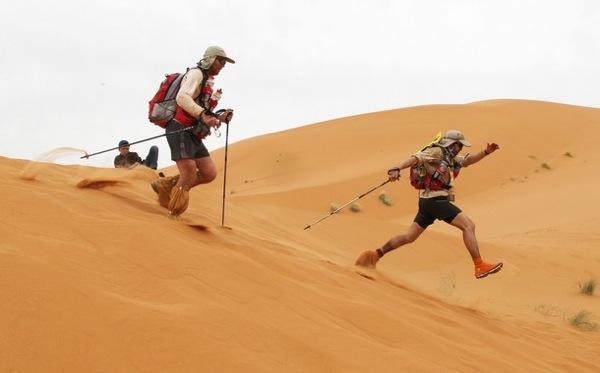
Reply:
x=211, y=54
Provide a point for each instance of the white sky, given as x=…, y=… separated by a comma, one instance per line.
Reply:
x=80, y=73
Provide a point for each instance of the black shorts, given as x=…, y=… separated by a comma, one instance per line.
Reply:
x=184, y=145
x=435, y=208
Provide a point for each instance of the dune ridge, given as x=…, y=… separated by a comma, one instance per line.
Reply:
x=94, y=277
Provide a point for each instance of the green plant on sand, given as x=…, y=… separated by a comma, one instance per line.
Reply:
x=385, y=199
x=587, y=287
x=581, y=321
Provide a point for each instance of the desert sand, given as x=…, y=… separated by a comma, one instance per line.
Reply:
x=95, y=278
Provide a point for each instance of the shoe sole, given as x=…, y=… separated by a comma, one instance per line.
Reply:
x=491, y=271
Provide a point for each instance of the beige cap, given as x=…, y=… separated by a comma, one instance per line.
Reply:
x=211, y=54
x=453, y=136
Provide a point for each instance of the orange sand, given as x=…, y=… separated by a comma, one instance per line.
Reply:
x=94, y=277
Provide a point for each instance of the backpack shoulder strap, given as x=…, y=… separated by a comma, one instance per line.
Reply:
x=204, y=78
x=435, y=141
x=204, y=74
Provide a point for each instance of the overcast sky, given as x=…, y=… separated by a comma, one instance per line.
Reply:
x=80, y=73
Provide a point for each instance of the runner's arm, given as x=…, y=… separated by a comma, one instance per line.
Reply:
x=474, y=158
x=394, y=172
x=411, y=161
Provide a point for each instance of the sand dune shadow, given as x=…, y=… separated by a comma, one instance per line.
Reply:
x=99, y=183
x=198, y=227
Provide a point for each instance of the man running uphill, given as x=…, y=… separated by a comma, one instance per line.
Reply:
x=439, y=163
x=187, y=150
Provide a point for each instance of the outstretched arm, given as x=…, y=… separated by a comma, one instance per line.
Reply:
x=394, y=173
x=474, y=158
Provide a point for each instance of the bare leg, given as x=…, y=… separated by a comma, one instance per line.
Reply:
x=207, y=171
x=370, y=258
x=466, y=225
x=195, y=172
x=187, y=174
x=414, y=231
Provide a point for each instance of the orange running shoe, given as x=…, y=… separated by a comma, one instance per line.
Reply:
x=483, y=269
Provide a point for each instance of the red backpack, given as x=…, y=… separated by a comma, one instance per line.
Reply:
x=420, y=178
x=162, y=106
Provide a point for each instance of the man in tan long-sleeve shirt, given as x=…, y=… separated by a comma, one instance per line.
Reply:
x=187, y=150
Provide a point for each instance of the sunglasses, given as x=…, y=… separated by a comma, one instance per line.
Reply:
x=458, y=145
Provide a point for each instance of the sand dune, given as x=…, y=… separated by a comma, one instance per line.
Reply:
x=94, y=277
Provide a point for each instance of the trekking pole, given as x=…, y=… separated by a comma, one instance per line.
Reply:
x=355, y=199
x=227, y=120
x=208, y=112
x=139, y=141
x=225, y=174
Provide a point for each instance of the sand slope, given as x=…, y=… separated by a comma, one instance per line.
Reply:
x=93, y=277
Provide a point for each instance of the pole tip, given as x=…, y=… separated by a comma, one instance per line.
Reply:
x=307, y=227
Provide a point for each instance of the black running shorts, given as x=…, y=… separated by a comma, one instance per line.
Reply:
x=435, y=208
x=184, y=145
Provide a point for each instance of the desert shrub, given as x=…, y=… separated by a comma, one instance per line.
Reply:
x=587, y=287
x=582, y=321
x=385, y=199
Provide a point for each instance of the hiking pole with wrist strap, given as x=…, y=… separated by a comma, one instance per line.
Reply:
x=227, y=119
x=354, y=200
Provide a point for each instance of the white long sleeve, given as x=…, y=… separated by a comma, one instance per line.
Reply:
x=189, y=91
